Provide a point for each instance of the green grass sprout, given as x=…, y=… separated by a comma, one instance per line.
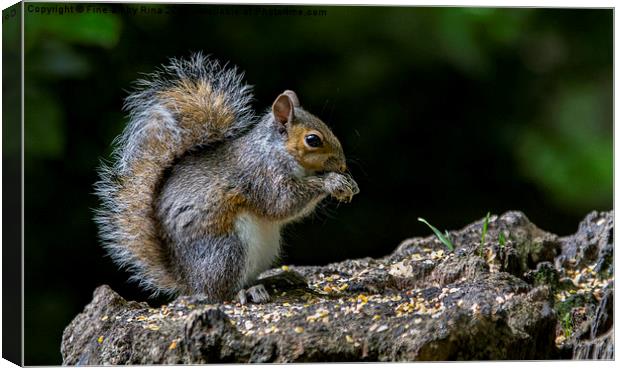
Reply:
x=501, y=239
x=485, y=227
x=444, y=238
x=567, y=325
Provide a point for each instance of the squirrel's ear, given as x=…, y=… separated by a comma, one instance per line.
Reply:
x=284, y=106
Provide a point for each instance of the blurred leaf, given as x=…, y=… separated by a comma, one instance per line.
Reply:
x=58, y=60
x=576, y=176
x=571, y=155
x=507, y=25
x=499, y=25
x=86, y=28
x=458, y=41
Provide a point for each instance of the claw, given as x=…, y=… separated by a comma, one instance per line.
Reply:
x=241, y=297
x=257, y=294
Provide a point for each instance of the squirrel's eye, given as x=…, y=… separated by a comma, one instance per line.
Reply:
x=313, y=140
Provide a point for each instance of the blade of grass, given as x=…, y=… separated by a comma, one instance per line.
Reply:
x=502, y=239
x=485, y=227
x=445, y=239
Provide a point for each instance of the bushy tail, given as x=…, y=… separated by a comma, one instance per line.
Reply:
x=185, y=104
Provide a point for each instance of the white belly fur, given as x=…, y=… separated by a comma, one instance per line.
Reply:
x=262, y=241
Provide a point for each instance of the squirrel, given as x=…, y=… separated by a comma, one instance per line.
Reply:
x=199, y=186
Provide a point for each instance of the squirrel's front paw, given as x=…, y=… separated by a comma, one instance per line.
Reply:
x=256, y=294
x=341, y=186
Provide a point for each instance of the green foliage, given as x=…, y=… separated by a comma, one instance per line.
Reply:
x=53, y=53
x=485, y=226
x=573, y=301
x=501, y=238
x=88, y=29
x=444, y=238
x=570, y=154
x=567, y=324
x=467, y=36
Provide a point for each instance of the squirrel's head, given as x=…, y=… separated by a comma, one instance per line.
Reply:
x=307, y=138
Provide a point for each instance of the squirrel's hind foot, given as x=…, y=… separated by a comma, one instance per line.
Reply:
x=257, y=294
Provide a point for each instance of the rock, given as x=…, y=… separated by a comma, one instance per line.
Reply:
x=592, y=244
x=524, y=294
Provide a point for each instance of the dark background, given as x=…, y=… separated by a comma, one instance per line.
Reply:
x=444, y=113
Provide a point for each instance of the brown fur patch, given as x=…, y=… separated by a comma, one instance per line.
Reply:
x=137, y=218
x=313, y=159
x=196, y=103
x=224, y=219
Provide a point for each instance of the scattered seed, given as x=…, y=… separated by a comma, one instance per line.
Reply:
x=349, y=339
x=376, y=317
x=104, y=318
x=416, y=257
x=271, y=329
x=299, y=329
x=173, y=345
x=598, y=295
x=285, y=268
x=382, y=328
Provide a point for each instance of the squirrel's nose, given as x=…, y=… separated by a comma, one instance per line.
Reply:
x=335, y=164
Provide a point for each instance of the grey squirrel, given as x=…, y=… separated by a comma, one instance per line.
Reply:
x=200, y=187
